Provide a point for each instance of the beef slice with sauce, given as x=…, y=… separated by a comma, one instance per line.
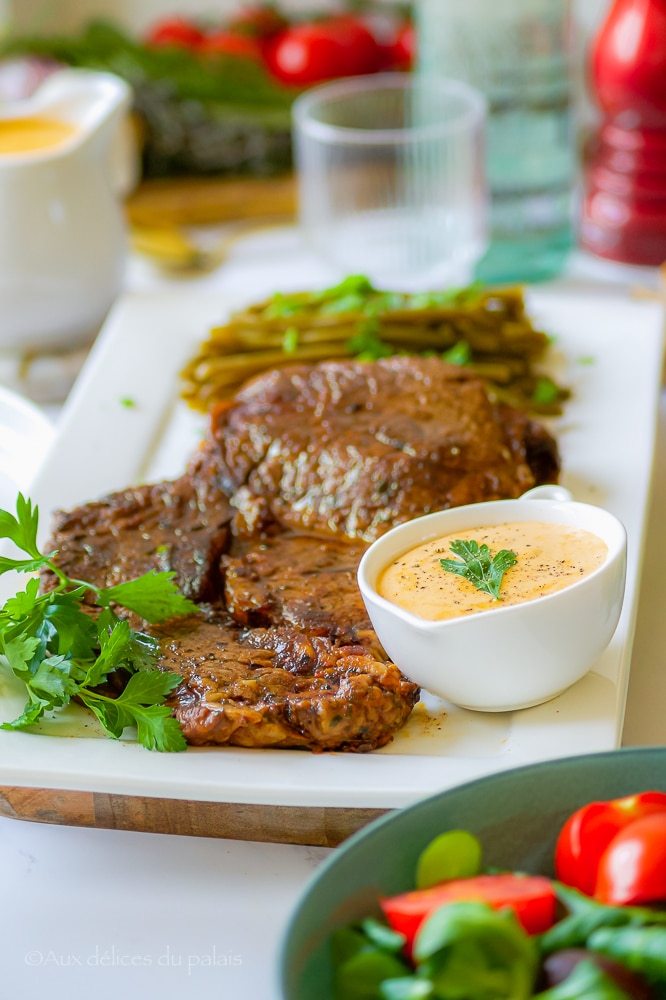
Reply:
x=279, y=687
x=304, y=580
x=167, y=526
x=298, y=473
x=356, y=447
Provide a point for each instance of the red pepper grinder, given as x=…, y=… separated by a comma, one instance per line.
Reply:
x=624, y=211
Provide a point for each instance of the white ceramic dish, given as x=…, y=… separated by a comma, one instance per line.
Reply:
x=25, y=437
x=62, y=240
x=507, y=658
x=123, y=424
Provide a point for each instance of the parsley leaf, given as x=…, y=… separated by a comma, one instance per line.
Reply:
x=545, y=391
x=22, y=603
x=66, y=626
x=446, y=297
x=22, y=529
x=154, y=596
x=113, y=649
x=156, y=729
x=53, y=682
x=477, y=565
x=18, y=654
x=459, y=354
x=290, y=340
x=366, y=344
x=352, y=302
x=60, y=651
x=283, y=306
x=31, y=714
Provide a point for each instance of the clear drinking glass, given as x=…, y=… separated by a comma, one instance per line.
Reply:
x=391, y=178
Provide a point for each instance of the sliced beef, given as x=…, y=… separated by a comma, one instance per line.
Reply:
x=164, y=526
x=298, y=473
x=355, y=447
x=532, y=443
x=308, y=581
x=280, y=687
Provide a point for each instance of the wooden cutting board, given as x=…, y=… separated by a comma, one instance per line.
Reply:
x=320, y=826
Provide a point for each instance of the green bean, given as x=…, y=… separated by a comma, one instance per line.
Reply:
x=501, y=346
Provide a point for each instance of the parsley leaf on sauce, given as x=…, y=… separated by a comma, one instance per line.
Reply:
x=477, y=565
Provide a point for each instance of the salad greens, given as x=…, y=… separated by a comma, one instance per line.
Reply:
x=586, y=980
x=221, y=115
x=232, y=82
x=453, y=854
x=586, y=915
x=464, y=951
x=641, y=949
x=476, y=947
x=60, y=651
x=468, y=949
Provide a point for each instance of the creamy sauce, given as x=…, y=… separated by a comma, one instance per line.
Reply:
x=549, y=558
x=27, y=135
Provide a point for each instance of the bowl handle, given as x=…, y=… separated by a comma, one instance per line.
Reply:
x=548, y=492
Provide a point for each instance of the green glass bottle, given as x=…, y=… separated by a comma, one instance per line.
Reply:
x=519, y=54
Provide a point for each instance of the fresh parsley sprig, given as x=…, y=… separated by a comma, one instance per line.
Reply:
x=477, y=565
x=61, y=652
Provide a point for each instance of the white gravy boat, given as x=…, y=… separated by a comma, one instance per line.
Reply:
x=62, y=230
x=512, y=657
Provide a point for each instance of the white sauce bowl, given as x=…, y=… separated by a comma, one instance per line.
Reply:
x=509, y=657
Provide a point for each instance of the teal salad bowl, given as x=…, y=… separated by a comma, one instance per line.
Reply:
x=516, y=814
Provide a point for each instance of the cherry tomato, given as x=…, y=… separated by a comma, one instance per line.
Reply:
x=531, y=897
x=176, y=32
x=632, y=869
x=309, y=53
x=405, y=46
x=229, y=43
x=400, y=53
x=588, y=832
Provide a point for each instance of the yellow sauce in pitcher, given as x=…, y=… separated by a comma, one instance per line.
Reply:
x=28, y=135
x=550, y=556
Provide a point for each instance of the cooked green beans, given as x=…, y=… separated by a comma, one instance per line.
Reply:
x=487, y=330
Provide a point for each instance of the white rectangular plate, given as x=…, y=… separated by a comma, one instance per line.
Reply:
x=124, y=424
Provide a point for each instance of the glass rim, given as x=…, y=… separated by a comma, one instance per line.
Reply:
x=468, y=117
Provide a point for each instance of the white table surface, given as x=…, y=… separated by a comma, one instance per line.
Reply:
x=96, y=913
x=102, y=914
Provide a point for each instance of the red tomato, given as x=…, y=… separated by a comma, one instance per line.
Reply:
x=405, y=45
x=531, y=897
x=632, y=869
x=401, y=52
x=323, y=50
x=228, y=43
x=176, y=32
x=588, y=832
